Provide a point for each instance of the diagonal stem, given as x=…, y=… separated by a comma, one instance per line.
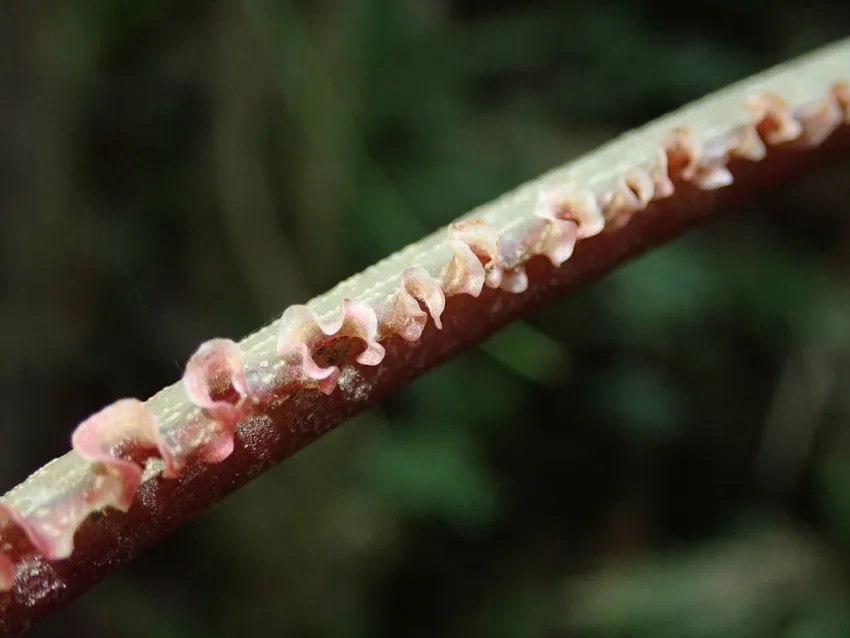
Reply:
x=644, y=188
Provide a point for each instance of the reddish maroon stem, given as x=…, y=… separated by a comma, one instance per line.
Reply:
x=107, y=540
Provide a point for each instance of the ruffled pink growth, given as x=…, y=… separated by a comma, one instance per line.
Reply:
x=515, y=280
x=360, y=320
x=659, y=175
x=107, y=435
x=199, y=433
x=819, y=120
x=704, y=166
x=773, y=119
x=632, y=194
x=748, y=145
x=271, y=380
x=464, y=274
x=714, y=159
x=304, y=372
x=422, y=286
x=558, y=238
x=641, y=185
x=297, y=327
x=560, y=241
x=565, y=201
x=840, y=91
x=621, y=204
x=214, y=380
x=300, y=325
x=403, y=314
x=483, y=239
x=7, y=572
x=51, y=528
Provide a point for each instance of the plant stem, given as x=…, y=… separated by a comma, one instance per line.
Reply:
x=649, y=186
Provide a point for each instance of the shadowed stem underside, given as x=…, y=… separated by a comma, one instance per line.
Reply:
x=138, y=470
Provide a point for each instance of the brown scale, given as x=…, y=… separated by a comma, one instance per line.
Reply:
x=337, y=351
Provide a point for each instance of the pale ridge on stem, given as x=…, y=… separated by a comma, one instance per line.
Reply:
x=224, y=382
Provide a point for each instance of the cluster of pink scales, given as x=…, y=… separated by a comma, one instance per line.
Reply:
x=225, y=382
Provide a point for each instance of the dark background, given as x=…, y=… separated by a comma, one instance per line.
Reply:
x=663, y=454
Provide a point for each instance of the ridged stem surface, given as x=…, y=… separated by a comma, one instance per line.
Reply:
x=243, y=407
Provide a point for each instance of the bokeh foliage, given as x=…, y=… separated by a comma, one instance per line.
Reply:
x=664, y=453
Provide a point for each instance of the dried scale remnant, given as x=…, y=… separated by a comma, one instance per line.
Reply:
x=225, y=382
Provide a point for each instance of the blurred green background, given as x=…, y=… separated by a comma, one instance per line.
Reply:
x=664, y=454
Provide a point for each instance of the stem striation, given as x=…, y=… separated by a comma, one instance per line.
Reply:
x=138, y=470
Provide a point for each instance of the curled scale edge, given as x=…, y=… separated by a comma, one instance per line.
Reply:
x=118, y=440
